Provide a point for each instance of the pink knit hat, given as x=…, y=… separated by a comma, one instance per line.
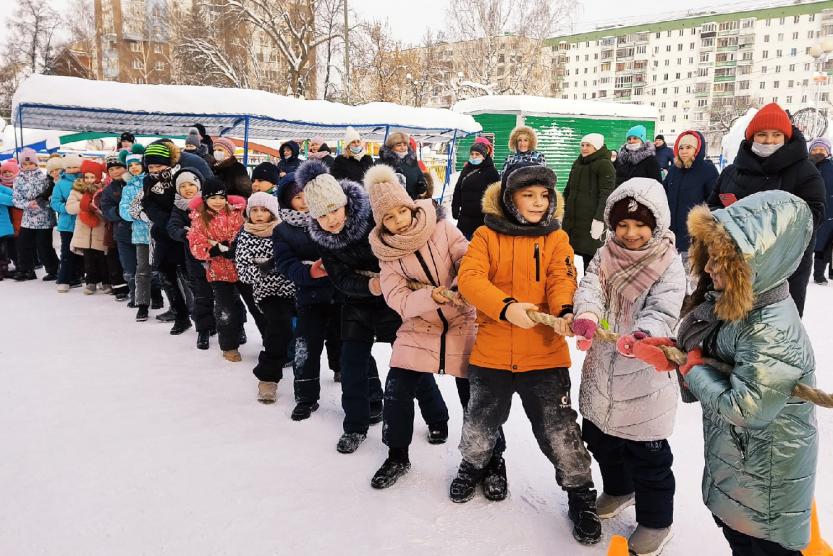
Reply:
x=224, y=143
x=385, y=191
x=28, y=155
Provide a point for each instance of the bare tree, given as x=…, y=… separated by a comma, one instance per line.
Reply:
x=330, y=24
x=379, y=67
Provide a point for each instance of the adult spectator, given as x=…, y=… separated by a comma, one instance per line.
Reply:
x=229, y=170
x=477, y=175
x=398, y=154
x=523, y=142
x=665, y=155
x=820, y=156
x=205, y=138
x=290, y=161
x=637, y=157
x=319, y=150
x=354, y=161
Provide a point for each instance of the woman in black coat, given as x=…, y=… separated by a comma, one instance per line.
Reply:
x=229, y=170
x=637, y=158
x=354, y=161
x=289, y=158
x=478, y=174
x=398, y=154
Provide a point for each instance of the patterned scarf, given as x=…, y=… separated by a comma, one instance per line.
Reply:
x=626, y=274
x=392, y=247
x=294, y=218
x=264, y=229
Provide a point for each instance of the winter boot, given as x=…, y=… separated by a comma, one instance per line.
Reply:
x=375, y=413
x=180, y=326
x=75, y=284
x=587, y=527
x=202, y=339
x=267, y=392
x=89, y=289
x=610, y=506
x=437, y=433
x=107, y=288
x=465, y=483
x=242, y=339
x=63, y=288
x=350, y=442
x=21, y=276
x=232, y=355
x=142, y=313
x=122, y=296
x=495, y=486
x=645, y=541
x=396, y=465
x=303, y=410
x=167, y=316
x=49, y=277
x=156, y=301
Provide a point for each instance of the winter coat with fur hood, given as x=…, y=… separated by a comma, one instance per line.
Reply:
x=223, y=228
x=623, y=396
x=502, y=264
x=85, y=236
x=350, y=168
x=60, y=195
x=688, y=187
x=408, y=166
x=592, y=179
x=467, y=202
x=294, y=254
x=433, y=338
x=350, y=263
x=761, y=443
x=235, y=176
x=641, y=163
x=30, y=185
x=530, y=155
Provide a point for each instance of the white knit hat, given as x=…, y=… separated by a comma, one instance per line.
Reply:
x=265, y=200
x=72, y=161
x=595, y=139
x=322, y=192
x=351, y=135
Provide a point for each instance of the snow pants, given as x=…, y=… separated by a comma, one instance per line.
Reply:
x=229, y=314
x=316, y=325
x=744, y=545
x=464, y=393
x=95, y=267
x=361, y=390
x=248, y=296
x=642, y=468
x=545, y=395
x=277, y=335
x=402, y=387
x=202, y=306
x=31, y=240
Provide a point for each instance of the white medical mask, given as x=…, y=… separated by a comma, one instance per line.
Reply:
x=633, y=146
x=765, y=151
x=219, y=156
x=402, y=155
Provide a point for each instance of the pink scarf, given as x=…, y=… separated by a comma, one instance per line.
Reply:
x=392, y=247
x=626, y=274
x=264, y=229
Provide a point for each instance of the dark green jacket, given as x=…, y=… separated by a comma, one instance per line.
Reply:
x=592, y=179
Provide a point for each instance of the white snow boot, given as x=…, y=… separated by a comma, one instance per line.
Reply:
x=645, y=541
x=267, y=392
x=610, y=506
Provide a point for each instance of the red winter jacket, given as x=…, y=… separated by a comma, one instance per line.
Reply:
x=223, y=228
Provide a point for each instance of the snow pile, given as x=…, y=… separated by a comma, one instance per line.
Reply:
x=545, y=106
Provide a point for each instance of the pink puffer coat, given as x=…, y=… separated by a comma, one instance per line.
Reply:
x=433, y=338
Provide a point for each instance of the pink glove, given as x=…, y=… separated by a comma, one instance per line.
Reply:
x=583, y=344
x=648, y=350
x=624, y=345
x=585, y=328
x=317, y=269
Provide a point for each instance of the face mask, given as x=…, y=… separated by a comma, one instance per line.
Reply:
x=356, y=150
x=219, y=156
x=765, y=151
x=163, y=176
x=475, y=161
x=816, y=158
x=402, y=155
x=633, y=146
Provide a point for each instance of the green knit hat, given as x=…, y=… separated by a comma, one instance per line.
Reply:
x=158, y=153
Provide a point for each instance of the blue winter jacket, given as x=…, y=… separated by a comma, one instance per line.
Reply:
x=686, y=188
x=825, y=234
x=665, y=157
x=294, y=254
x=6, y=227
x=129, y=210
x=60, y=194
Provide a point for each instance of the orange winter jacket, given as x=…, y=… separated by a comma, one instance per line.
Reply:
x=531, y=269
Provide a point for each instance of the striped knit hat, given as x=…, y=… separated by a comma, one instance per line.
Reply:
x=158, y=153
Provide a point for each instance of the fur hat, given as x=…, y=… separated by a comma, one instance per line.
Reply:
x=159, y=153
x=188, y=175
x=27, y=154
x=266, y=171
x=595, y=139
x=92, y=167
x=265, y=200
x=770, y=116
x=351, y=135
x=631, y=208
x=214, y=187
x=639, y=132
x=385, y=191
x=822, y=142
x=322, y=192
x=193, y=138
x=225, y=144
x=9, y=165
x=54, y=163
x=72, y=161
x=396, y=137
x=516, y=134
x=113, y=160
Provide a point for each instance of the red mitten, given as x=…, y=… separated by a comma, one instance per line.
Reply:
x=585, y=328
x=583, y=344
x=317, y=269
x=695, y=357
x=648, y=350
x=624, y=345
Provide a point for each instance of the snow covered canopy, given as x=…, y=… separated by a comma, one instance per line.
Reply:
x=55, y=102
x=545, y=106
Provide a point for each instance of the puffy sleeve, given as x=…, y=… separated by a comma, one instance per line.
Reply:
x=473, y=278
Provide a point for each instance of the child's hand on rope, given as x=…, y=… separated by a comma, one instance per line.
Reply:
x=516, y=314
x=625, y=343
x=438, y=295
x=563, y=326
x=648, y=350
x=584, y=328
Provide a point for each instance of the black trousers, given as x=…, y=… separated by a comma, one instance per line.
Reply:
x=464, y=393
x=95, y=267
x=402, y=387
x=247, y=294
x=202, y=307
x=744, y=545
x=822, y=260
x=545, y=395
x=642, y=468
x=229, y=314
x=115, y=272
x=278, y=313
x=315, y=325
x=30, y=240
x=801, y=277
x=361, y=390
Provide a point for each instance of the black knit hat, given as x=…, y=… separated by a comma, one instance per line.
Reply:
x=632, y=209
x=213, y=187
x=266, y=171
x=158, y=153
x=127, y=136
x=479, y=148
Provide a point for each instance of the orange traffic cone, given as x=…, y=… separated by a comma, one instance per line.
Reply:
x=618, y=546
x=817, y=546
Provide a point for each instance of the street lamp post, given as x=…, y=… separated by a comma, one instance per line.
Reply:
x=821, y=54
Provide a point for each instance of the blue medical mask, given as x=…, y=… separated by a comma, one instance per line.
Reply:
x=475, y=161
x=356, y=150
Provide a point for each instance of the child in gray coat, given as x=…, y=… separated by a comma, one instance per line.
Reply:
x=634, y=286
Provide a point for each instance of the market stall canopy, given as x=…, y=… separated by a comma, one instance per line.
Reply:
x=544, y=106
x=56, y=102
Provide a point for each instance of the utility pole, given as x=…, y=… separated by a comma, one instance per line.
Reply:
x=346, y=53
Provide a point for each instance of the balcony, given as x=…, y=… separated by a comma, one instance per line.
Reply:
x=726, y=64
x=728, y=32
x=727, y=48
x=724, y=78
x=723, y=94
x=701, y=94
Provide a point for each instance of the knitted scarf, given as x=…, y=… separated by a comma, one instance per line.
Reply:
x=264, y=229
x=626, y=274
x=294, y=218
x=181, y=202
x=87, y=214
x=392, y=247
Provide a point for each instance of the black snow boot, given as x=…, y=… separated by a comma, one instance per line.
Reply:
x=21, y=276
x=396, y=465
x=437, y=433
x=375, y=413
x=303, y=411
x=167, y=316
x=142, y=313
x=180, y=326
x=202, y=339
x=587, y=527
x=156, y=299
x=464, y=484
x=495, y=486
x=350, y=442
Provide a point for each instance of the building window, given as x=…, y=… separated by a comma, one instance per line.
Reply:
x=812, y=18
x=704, y=56
x=792, y=68
x=137, y=65
x=763, y=69
x=775, y=84
x=779, y=53
x=766, y=38
x=793, y=51
x=160, y=66
x=702, y=102
x=763, y=85
x=780, y=36
x=157, y=48
x=668, y=48
x=795, y=36
x=789, y=100
x=765, y=54
x=136, y=46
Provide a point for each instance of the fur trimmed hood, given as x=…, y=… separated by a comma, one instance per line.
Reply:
x=757, y=241
x=390, y=158
x=523, y=130
x=358, y=223
x=635, y=157
x=496, y=219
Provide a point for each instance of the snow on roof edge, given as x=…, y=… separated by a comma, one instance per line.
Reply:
x=546, y=106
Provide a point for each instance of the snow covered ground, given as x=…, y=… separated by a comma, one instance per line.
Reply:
x=120, y=439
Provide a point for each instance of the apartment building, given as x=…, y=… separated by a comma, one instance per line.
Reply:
x=704, y=69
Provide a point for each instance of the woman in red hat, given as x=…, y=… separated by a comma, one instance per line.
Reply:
x=774, y=156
